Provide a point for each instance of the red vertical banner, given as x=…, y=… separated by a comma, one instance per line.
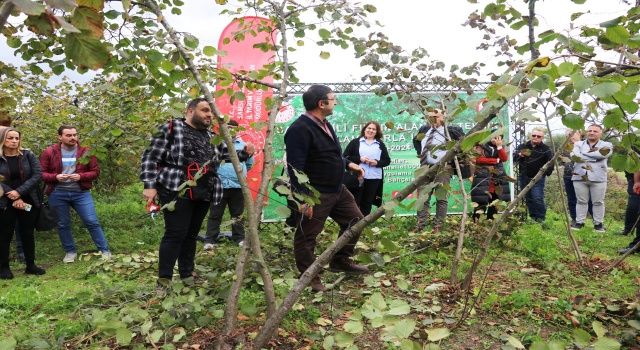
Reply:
x=244, y=55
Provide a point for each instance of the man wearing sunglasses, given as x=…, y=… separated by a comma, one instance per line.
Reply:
x=530, y=157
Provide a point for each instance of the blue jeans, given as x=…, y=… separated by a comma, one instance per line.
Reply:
x=535, y=198
x=82, y=203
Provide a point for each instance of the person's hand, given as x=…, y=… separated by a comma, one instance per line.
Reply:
x=250, y=148
x=373, y=162
x=18, y=204
x=74, y=177
x=13, y=195
x=356, y=169
x=150, y=194
x=306, y=210
x=364, y=159
x=636, y=188
x=62, y=177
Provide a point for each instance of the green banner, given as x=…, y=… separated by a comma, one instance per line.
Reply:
x=350, y=115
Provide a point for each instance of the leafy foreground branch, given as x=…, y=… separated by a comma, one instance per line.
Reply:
x=252, y=224
x=271, y=324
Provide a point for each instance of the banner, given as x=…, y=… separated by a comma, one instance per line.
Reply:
x=351, y=114
x=239, y=56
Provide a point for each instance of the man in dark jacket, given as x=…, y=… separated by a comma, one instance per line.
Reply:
x=530, y=157
x=68, y=183
x=313, y=148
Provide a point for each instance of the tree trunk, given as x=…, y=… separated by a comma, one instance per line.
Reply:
x=535, y=53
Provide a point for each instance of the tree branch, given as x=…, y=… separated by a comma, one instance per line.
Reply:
x=5, y=12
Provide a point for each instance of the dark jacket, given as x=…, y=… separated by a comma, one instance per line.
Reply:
x=311, y=150
x=538, y=157
x=352, y=153
x=51, y=163
x=29, y=173
x=489, y=172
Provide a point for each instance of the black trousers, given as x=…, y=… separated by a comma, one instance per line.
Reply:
x=27, y=220
x=181, y=227
x=232, y=198
x=366, y=194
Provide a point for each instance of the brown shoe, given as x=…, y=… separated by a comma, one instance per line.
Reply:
x=348, y=266
x=316, y=285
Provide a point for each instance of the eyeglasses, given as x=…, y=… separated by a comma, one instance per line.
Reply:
x=537, y=136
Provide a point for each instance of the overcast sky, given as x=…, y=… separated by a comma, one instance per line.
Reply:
x=433, y=25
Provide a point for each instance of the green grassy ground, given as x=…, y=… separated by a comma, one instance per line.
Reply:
x=534, y=290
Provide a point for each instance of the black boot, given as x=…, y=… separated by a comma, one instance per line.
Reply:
x=33, y=269
x=5, y=273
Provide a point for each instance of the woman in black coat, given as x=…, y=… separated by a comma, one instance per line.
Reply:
x=19, y=202
x=369, y=151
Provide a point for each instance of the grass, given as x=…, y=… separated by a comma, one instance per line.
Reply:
x=533, y=285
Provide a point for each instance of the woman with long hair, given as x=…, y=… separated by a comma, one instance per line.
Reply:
x=369, y=151
x=20, y=202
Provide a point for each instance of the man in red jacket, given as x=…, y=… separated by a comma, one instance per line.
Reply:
x=69, y=181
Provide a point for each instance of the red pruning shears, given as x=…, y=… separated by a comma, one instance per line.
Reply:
x=153, y=209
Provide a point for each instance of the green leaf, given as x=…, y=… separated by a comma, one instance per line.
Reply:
x=580, y=82
x=565, y=68
x=573, y=121
x=9, y=343
x=353, y=327
x=209, y=51
x=117, y=132
x=471, y=140
x=343, y=339
x=508, y=91
x=541, y=83
x=377, y=301
x=156, y=335
x=29, y=7
x=606, y=89
x=403, y=328
x=123, y=336
x=606, y=344
x=581, y=337
x=325, y=55
x=328, y=342
x=580, y=2
x=14, y=42
x=89, y=20
x=398, y=307
x=557, y=345
x=617, y=34
x=370, y=8
x=539, y=345
x=97, y=5
x=85, y=51
x=511, y=340
x=634, y=323
x=599, y=329
x=437, y=334
x=283, y=212
x=324, y=34
x=190, y=41
x=619, y=162
x=66, y=25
